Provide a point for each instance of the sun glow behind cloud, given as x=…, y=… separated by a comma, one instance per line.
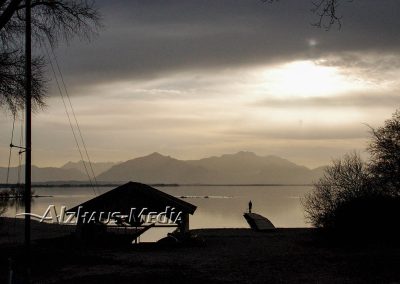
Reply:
x=308, y=79
x=214, y=80
x=287, y=109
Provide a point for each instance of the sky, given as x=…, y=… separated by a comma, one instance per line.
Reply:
x=198, y=78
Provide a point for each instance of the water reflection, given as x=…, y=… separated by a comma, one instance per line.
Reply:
x=12, y=204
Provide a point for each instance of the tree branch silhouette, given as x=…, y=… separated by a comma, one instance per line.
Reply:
x=51, y=20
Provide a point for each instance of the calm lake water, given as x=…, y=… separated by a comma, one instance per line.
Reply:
x=223, y=208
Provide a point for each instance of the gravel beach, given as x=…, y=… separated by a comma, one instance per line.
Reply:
x=218, y=256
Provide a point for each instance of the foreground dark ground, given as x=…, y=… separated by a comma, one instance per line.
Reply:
x=225, y=256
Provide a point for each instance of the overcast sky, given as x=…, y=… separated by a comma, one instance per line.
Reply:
x=195, y=78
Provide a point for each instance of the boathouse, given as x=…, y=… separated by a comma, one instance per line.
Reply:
x=134, y=206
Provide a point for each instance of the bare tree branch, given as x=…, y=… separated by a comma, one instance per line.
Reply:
x=51, y=20
x=8, y=12
x=327, y=11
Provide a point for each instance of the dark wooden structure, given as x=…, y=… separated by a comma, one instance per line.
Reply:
x=128, y=201
x=258, y=222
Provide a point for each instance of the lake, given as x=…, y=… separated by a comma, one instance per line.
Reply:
x=223, y=207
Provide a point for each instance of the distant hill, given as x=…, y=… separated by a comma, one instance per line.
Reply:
x=155, y=168
x=43, y=174
x=248, y=168
x=239, y=168
x=98, y=168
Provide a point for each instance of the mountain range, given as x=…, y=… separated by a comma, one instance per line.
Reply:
x=98, y=168
x=239, y=168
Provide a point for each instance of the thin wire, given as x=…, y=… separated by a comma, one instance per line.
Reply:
x=76, y=120
x=68, y=116
x=21, y=141
x=9, y=155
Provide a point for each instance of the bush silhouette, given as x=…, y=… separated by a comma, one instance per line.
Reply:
x=346, y=180
x=357, y=198
x=374, y=217
x=385, y=155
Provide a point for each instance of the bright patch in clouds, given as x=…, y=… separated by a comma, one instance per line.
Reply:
x=306, y=111
x=312, y=42
x=308, y=79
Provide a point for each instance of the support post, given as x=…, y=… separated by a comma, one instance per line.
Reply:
x=184, y=225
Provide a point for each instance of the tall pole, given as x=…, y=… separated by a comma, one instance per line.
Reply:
x=28, y=117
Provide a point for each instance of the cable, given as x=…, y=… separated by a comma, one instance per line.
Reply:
x=76, y=120
x=21, y=141
x=69, y=118
x=9, y=155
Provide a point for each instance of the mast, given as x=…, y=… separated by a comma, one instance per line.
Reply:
x=28, y=117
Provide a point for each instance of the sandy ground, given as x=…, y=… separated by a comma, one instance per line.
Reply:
x=219, y=256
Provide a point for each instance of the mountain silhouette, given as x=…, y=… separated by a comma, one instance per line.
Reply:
x=42, y=174
x=239, y=168
x=98, y=167
x=155, y=168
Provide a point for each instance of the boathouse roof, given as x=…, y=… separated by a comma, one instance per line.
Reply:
x=134, y=195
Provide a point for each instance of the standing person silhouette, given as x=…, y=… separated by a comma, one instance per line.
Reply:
x=250, y=206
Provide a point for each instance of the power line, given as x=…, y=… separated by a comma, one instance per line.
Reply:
x=9, y=154
x=69, y=118
x=21, y=141
x=76, y=120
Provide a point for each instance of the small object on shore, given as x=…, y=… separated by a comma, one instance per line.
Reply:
x=258, y=222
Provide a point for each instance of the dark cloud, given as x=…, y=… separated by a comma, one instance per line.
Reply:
x=146, y=39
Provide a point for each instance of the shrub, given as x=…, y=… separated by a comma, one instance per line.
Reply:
x=385, y=155
x=374, y=216
x=347, y=179
x=359, y=198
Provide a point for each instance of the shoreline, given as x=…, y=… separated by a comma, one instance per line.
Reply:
x=50, y=185
x=225, y=255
